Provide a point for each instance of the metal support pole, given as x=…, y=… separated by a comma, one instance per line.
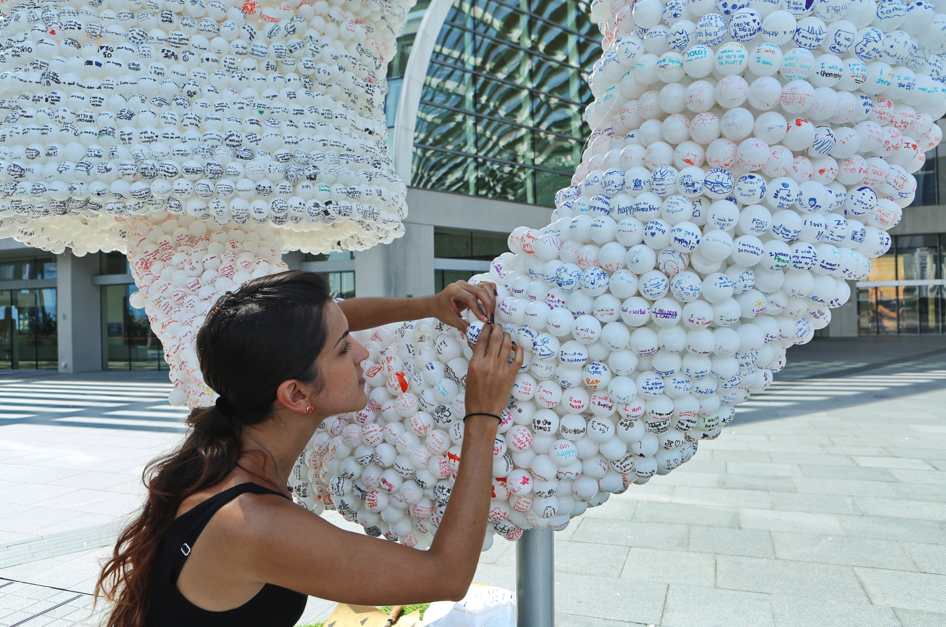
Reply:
x=535, y=579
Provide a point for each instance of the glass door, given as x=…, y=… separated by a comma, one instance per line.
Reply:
x=8, y=315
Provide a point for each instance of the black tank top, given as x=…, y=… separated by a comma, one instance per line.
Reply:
x=273, y=606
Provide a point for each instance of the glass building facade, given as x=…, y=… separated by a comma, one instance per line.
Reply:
x=904, y=293
x=128, y=341
x=29, y=335
x=500, y=114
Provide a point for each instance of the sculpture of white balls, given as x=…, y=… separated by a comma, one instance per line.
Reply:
x=201, y=137
x=746, y=160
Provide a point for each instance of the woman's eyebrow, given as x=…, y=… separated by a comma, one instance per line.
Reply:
x=341, y=338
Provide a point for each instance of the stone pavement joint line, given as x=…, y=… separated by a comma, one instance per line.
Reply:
x=22, y=603
x=46, y=611
x=54, y=545
x=824, y=503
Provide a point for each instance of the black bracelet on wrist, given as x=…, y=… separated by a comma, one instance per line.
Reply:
x=480, y=413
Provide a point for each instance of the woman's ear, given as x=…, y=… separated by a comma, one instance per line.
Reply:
x=294, y=396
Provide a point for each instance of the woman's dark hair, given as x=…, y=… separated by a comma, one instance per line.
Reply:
x=268, y=331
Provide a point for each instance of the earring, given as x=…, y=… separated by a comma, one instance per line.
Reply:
x=309, y=410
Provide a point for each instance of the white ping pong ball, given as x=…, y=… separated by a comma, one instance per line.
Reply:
x=765, y=93
x=688, y=154
x=770, y=127
x=699, y=61
x=700, y=96
x=800, y=135
x=765, y=60
x=752, y=154
x=672, y=98
x=645, y=70
x=828, y=71
x=731, y=91
x=879, y=78
x=675, y=130
x=721, y=153
x=647, y=13
x=704, y=128
x=754, y=220
x=669, y=67
x=797, y=96
x=736, y=124
x=797, y=64
x=731, y=59
x=778, y=27
x=717, y=288
x=840, y=37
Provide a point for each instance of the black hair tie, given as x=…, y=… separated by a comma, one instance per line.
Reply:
x=225, y=407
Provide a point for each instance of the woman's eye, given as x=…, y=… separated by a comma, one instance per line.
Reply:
x=347, y=348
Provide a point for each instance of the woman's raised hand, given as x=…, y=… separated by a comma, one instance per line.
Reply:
x=448, y=305
x=491, y=374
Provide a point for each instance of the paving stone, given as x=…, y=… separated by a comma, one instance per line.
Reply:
x=899, y=529
x=827, y=549
x=698, y=569
x=783, y=520
x=804, y=612
x=787, y=448
x=901, y=508
x=750, y=482
x=914, y=618
x=719, y=496
x=920, y=491
x=927, y=454
x=739, y=456
x=843, y=487
x=710, y=607
x=934, y=477
x=587, y=559
x=892, y=462
x=856, y=451
x=573, y=620
x=610, y=598
x=701, y=466
x=775, y=576
x=632, y=534
x=929, y=558
x=806, y=459
x=815, y=503
x=619, y=507
x=911, y=591
x=856, y=473
x=681, y=513
x=692, y=479
x=724, y=541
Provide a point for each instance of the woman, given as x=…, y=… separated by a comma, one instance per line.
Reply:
x=219, y=542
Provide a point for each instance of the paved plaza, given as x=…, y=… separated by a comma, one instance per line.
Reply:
x=824, y=503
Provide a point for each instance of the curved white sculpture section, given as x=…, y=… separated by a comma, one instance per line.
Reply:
x=746, y=160
x=202, y=138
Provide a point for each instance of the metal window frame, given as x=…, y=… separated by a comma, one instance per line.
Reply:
x=535, y=16
x=499, y=120
x=504, y=82
x=493, y=159
x=523, y=50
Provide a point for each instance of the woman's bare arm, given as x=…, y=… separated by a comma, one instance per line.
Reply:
x=367, y=313
x=290, y=547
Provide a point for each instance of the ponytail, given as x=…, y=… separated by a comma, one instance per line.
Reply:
x=267, y=332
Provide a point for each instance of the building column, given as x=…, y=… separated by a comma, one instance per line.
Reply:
x=79, y=313
x=844, y=318
x=402, y=268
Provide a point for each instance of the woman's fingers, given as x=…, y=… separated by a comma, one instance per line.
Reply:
x=497, y=339
x=486, y=292
x=481, y=347
x=466, y=295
